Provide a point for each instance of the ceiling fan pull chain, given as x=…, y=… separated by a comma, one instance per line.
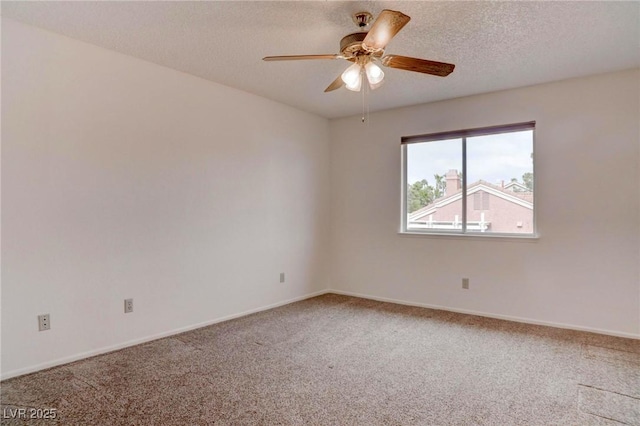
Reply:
x=365, y=103
x=364, y=89
x=368, y=101
x=365, y=97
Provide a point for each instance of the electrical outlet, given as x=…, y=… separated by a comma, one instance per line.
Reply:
x=465, y=283
x=128, y=306
x=44, y=322
x=281, y=277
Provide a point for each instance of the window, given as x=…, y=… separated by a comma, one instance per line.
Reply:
x=477, y=181
x=481, y=200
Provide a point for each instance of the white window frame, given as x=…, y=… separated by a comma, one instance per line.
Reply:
x=463, y=135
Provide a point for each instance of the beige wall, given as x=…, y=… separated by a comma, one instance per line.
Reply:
x=123, y=179
x=584, y=269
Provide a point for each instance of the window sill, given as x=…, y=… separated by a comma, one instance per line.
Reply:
x=455, y=236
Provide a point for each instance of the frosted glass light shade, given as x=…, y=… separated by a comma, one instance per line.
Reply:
x=352, y=77
x=374, y=73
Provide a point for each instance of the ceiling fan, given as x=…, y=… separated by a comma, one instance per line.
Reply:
x=364, y=49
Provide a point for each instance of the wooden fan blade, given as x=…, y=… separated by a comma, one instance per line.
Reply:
x=418, y=65
x=299, y=57
x=385, y=27
x=337, y=83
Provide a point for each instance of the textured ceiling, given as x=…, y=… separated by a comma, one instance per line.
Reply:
x=495, y=45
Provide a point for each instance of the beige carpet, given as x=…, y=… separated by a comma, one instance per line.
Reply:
x=336, y=360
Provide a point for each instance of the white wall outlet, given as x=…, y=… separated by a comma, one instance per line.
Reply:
x=465, y=283
x=44, y=322
x=128, y=306
x=281, y=277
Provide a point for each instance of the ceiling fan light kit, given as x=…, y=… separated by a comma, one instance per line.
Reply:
x=375, y=75
x=352, y=77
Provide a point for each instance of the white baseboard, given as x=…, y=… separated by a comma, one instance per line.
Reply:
x=489, y=315
x=100, y=351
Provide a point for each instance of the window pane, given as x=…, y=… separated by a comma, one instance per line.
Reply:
x=500, y=183
x=434, y=185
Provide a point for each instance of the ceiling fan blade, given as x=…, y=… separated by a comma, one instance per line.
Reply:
x=385, y=27
x=336, y=84
x=299, y=57
x=418, y=65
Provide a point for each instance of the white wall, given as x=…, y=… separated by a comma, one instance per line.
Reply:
x=584, y=269
x=123, y=179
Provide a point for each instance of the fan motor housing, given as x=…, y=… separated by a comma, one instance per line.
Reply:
x=351, y=46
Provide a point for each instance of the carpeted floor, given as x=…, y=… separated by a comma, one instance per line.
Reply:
x=336, y=360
